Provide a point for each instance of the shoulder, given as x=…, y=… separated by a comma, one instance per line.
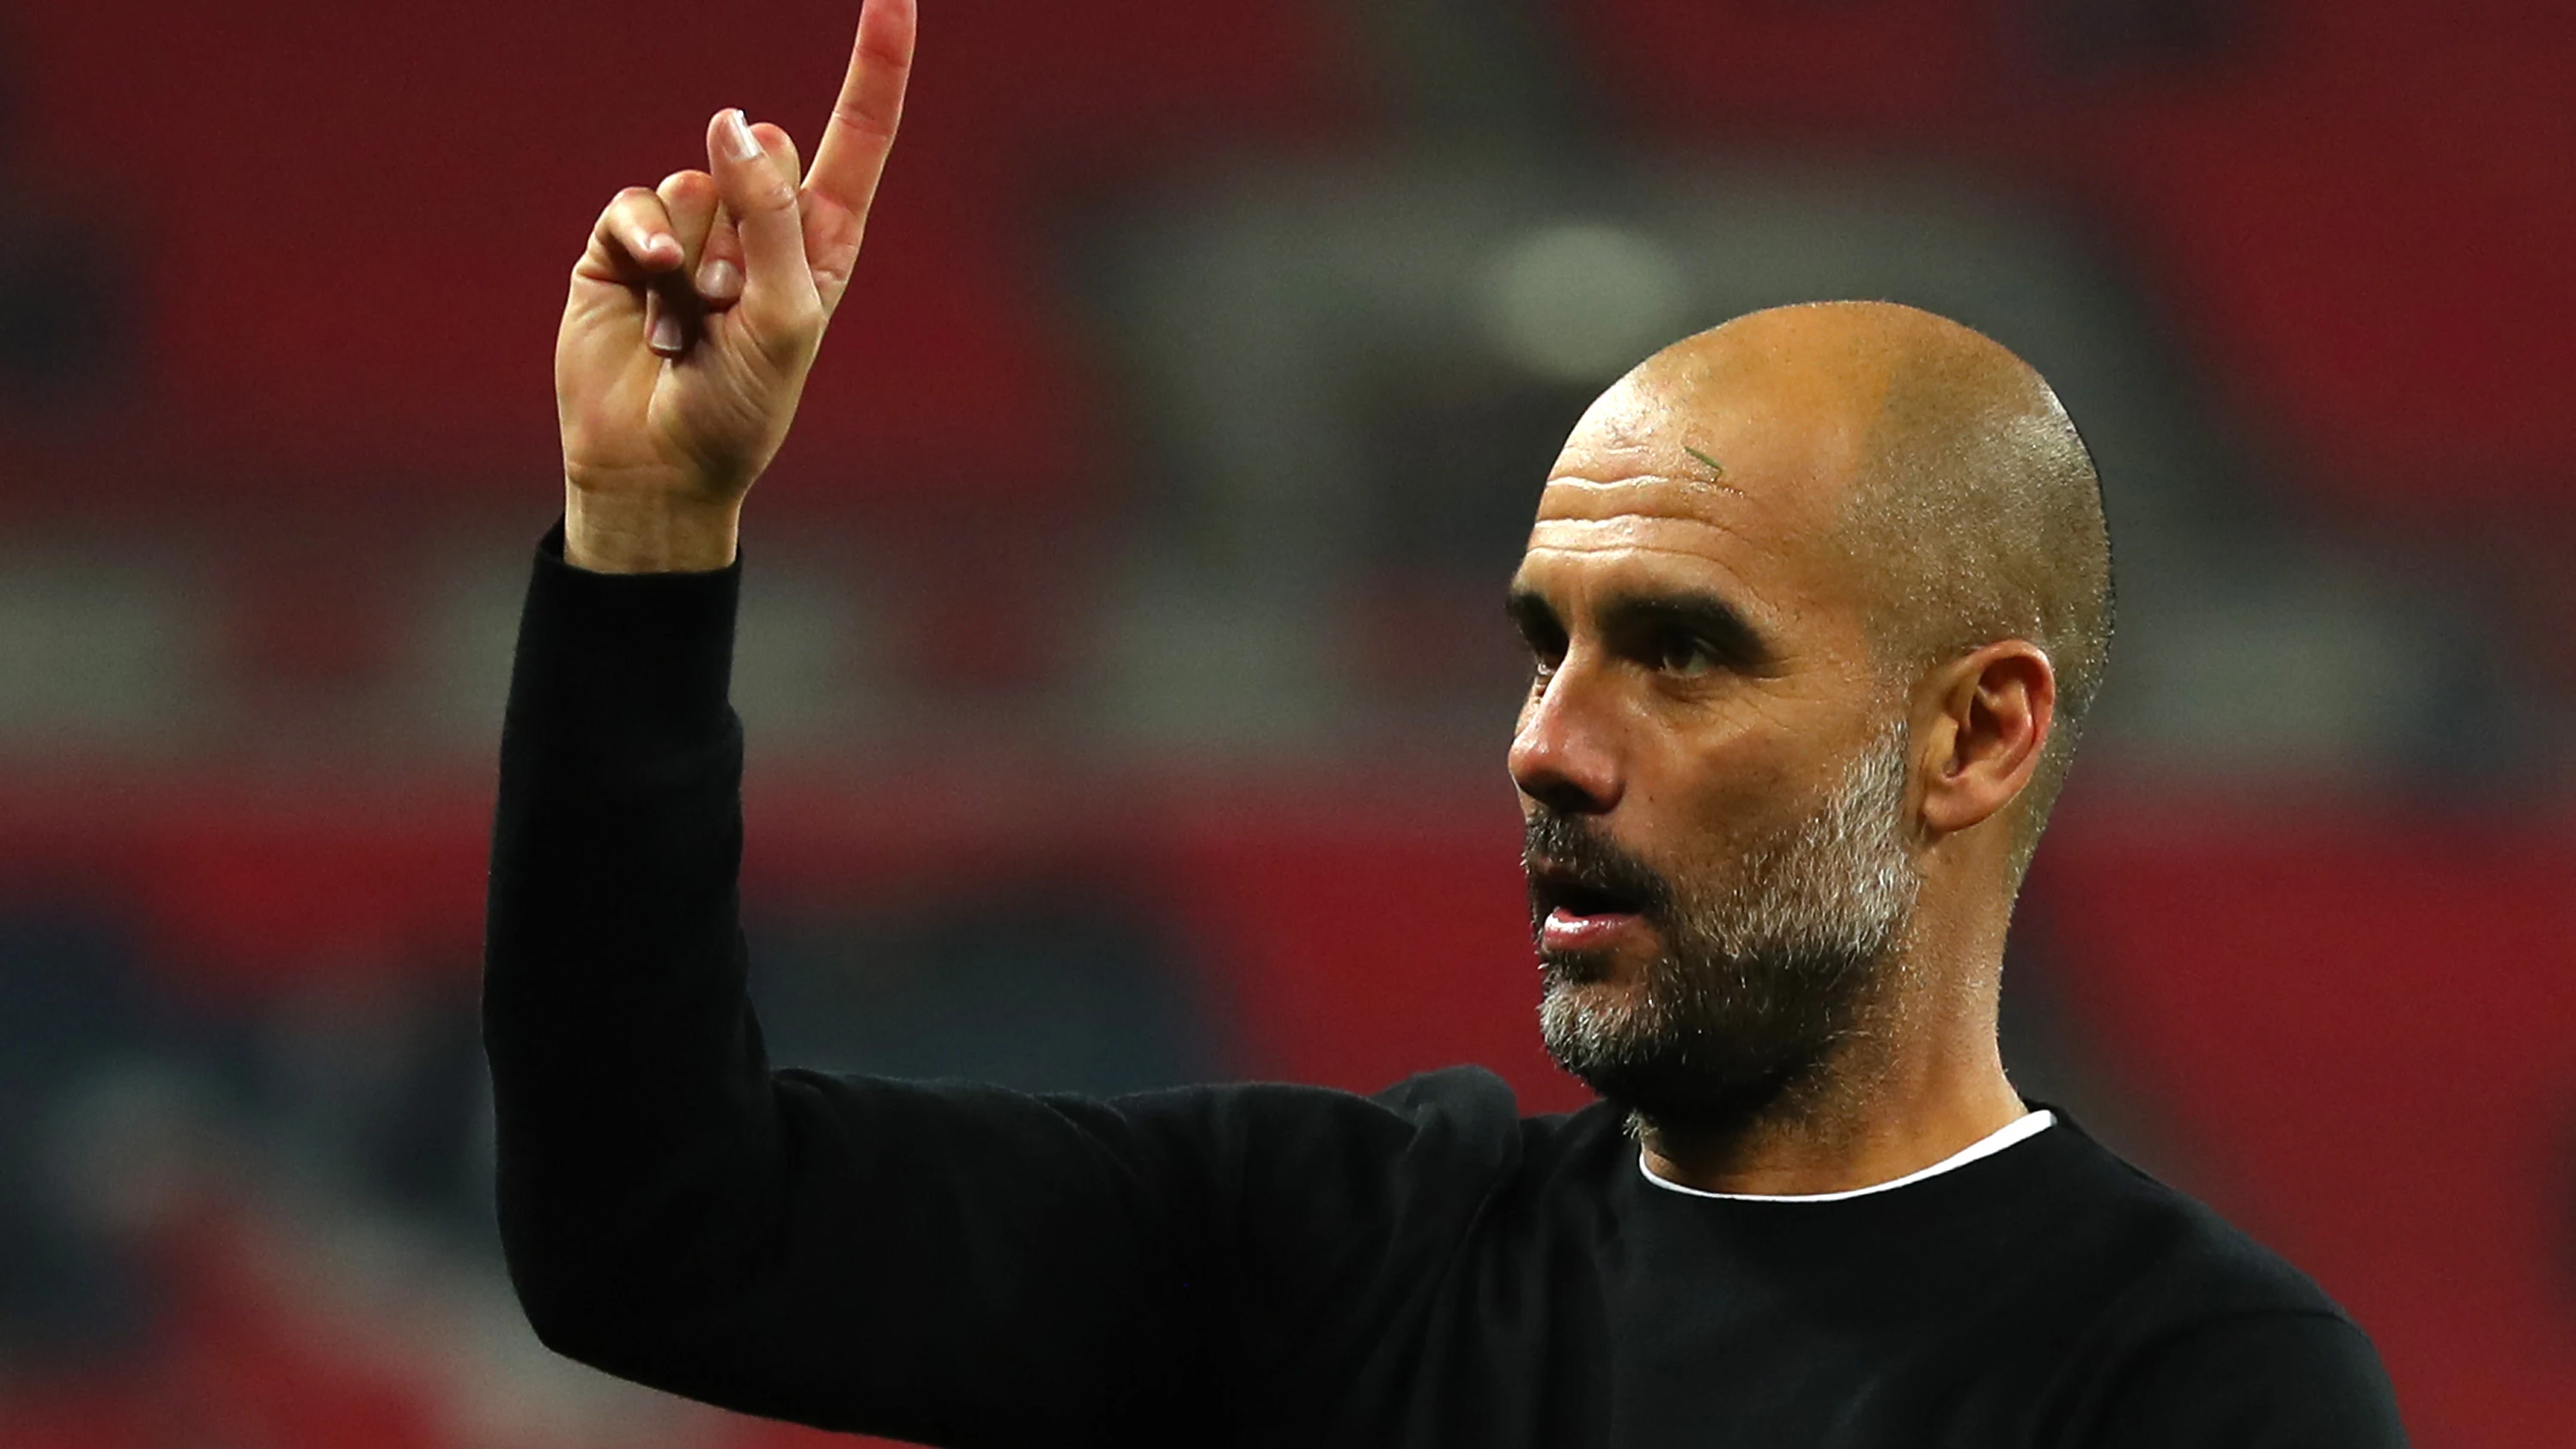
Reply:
x=2187, y=1262
x=2267, y=1378
x=2211, y=1337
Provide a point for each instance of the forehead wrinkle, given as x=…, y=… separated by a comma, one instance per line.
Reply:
x=1702, y=534
x=1660, y=497
x=1581, y=484
x=1655, y=533
x=1628, y=530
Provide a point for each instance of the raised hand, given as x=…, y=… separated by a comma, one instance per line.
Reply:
x=695, y=315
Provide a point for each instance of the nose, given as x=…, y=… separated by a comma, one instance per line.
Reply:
x=1563, y=755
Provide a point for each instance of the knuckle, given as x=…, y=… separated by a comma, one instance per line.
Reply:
x=794, y=335
x=634, y=205
x=685, y=184
x=872, y=124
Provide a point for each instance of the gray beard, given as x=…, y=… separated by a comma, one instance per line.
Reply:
x=1766, y=976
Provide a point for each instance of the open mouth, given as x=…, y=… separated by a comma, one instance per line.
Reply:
x=1559, y=892
x=1577, y=899
x=1589, y=900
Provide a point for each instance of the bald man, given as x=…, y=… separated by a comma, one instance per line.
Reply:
x=1815, y=603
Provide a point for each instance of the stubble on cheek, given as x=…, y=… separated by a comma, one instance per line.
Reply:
x=1759, y=964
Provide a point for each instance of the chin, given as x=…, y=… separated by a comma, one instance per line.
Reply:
x=1593, y=1007
x=1595, y=1018
x=1607, y=1029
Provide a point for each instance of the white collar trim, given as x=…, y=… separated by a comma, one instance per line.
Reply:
x=2028, y=1125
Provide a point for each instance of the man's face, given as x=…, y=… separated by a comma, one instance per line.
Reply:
x=1713, y=773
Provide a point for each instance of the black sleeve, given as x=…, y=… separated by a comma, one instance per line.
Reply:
x=941, y=1263
x=2287, y=1380
x=947, y=1265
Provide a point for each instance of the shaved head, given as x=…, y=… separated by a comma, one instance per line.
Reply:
x=1958, y=492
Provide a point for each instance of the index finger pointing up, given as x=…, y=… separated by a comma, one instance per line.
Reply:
x=861, y=131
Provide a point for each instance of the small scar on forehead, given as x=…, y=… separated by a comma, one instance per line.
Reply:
x=1714, y=466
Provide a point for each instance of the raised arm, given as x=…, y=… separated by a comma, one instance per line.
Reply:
x=954, y=1266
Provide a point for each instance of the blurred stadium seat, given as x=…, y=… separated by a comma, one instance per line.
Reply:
x=2366, y=219
x=357, y=223
x=1689, y=71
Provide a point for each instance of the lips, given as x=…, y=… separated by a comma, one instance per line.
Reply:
x=1588, y=895
x=1574, y=912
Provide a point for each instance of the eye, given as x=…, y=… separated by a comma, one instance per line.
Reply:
x=1685, y=655
x=1544, y=658
x=1546, y=645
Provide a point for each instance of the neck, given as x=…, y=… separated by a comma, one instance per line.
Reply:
x=1921, y=1080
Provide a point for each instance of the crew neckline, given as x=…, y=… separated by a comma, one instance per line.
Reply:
x=2020, y=1129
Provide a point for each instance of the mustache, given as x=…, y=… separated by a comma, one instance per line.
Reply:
x=1579, y=847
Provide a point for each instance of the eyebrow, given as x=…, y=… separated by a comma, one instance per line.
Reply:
x=1630, y=614
x=1529, y=613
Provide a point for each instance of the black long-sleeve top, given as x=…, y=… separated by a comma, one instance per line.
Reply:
x=1251, y=1264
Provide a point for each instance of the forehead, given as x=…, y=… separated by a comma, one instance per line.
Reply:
x=1732, y=493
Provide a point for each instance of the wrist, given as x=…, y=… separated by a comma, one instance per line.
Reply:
x=648, y=534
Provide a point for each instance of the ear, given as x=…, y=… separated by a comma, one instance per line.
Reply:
x=1980, y=722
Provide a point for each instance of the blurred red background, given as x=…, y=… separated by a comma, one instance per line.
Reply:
x=1131, y=574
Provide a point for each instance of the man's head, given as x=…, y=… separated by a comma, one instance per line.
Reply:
x=1817, y=600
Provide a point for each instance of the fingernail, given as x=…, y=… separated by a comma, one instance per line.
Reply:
x=719, y=278
x=666, y=334
x=737, y=136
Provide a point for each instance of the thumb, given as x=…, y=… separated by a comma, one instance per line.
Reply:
x=778, y=296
